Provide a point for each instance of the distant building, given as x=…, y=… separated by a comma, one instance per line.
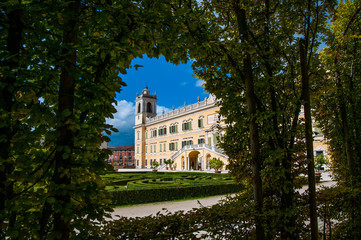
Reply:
x=122, y=157
x=187, y=135
x=320, y=146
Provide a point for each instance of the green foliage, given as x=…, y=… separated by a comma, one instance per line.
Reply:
x=320, y=161
x=169, y=162
x=154, y=164
x=217, y=222
x=232, y=218
x=216, y=163
x=169, y=193
x=60, y=65
x=133, y=188
x=56, y=59
x=338, y=209
x=266, y=54
x=338, y=98
x=150, y=180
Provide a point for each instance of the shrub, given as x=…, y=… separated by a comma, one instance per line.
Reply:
x=230, y=219
x=169, y=194
x=216, y=163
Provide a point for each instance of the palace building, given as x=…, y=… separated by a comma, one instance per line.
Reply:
x=187, y=135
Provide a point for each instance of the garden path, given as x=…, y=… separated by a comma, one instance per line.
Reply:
x=143, y=210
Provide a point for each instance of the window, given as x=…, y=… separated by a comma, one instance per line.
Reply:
x=137, y=148
x=162, y=131
x=138, y=135
x=153, y=133
x=187, y=126
x=187, y=142
x=138, y=107
x=155, y=148
x=173, y=146
x=173, y=129
x=146, y=149
x=160, y=147
x=200, y=123
x=146, y=135
x=146, y=162
x=215, y=138
x=201, y=140
x=164, y=148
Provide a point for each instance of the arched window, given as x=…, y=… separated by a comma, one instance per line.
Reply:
x=138, y=107
x=149, y=107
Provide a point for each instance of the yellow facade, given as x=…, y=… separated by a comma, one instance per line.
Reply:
x=187, y=135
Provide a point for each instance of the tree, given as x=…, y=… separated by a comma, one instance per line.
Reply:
x=249, y=53
x=216, y=163
x=338, y=103
x=59, y=75
x=240, y=69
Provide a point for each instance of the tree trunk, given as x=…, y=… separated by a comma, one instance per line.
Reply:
x=65, y=140
x=9, y=129
x=309, y=140
x=344, y=124
x=253, y=128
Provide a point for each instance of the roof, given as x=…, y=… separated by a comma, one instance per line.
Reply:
x=122, y=148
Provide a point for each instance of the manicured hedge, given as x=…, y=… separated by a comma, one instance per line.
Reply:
x=168, y=194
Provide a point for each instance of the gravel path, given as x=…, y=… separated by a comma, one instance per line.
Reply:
x=143, y=210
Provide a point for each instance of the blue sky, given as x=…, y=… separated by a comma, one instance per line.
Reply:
x=174, y=84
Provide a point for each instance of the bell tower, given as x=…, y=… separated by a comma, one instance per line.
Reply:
x=145, y=106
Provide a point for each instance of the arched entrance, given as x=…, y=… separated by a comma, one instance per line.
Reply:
x=194, y=164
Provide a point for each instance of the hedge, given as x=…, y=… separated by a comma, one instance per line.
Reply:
x=169, y=194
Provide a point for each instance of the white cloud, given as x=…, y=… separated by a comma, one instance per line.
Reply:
x=161, y=109
x=200, y=83
x=124, y=117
